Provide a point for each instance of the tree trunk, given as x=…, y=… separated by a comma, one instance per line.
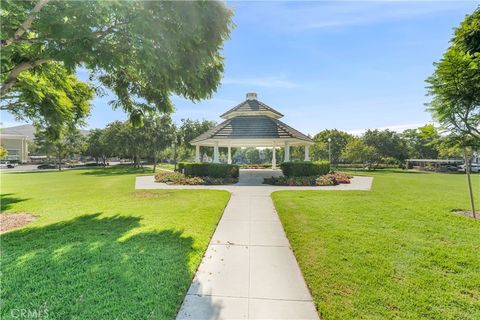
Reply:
x=154, y=163
x=175, y=157
x=12, y=77
x=137, y=163
x=467, y=169
x=26, y=24
x=59, y=162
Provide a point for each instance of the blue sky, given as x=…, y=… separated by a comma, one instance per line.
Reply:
x=345, y=65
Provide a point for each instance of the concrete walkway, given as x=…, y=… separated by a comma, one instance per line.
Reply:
x=253, y=178
x=249, y=270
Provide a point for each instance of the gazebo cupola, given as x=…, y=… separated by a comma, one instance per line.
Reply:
x=252, y=124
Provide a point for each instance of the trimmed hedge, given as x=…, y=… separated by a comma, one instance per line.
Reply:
x=212, y=170
x=305, y=168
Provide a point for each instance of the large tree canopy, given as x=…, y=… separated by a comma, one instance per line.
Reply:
x=422, y=142
x=387, y=143
x=455, y=85
x=144, y=51
x=339, y=140
x=51, y=97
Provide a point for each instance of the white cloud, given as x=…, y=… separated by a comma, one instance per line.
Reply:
x=285, y=16
x=265, y=82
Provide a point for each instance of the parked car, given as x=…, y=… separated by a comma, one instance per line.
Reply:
x=9, y=165
x=452, y=167
x=47, y=166
x=475, y=167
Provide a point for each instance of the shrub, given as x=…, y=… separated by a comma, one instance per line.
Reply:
x=326, y=180
x=213, y=170
x=330, y=179
x=180, y=178
x=305, y=168
x=192, y=181
x=333, y=179
x=175, y=178
x=341, y=177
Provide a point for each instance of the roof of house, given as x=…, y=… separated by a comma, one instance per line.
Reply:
x=27, y=130
x=252, y=127
x=22, y=130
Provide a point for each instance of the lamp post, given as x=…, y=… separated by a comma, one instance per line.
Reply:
x=330, y=150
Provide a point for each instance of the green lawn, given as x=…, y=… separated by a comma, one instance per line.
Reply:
x=100, y=249
x=395, y=252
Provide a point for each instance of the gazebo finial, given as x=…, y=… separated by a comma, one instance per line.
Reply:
x=251, y=96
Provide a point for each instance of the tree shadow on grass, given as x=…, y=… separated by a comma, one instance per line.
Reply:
x=7, y=199
x=84, y=269
x=117, y=170
x=386, y=171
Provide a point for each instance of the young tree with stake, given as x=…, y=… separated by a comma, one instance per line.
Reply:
x=455, y=88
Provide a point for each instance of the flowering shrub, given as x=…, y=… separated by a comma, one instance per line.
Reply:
x=326, y=180
x=169, y=177
x=180, y=178
x=333, y=179
x=341, y=177
x=330, y=179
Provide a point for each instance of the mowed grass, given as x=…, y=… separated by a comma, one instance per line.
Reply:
x=100, y=249
x=395, y=252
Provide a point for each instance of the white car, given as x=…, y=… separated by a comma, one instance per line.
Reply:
x=7, y=165
x=475, y=167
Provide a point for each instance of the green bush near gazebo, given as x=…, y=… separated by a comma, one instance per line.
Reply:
x=212, y=170
x=305, y=168
x=199, y=173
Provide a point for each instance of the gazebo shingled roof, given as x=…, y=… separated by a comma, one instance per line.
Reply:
x=252, y=124
x=252, y=127
x=251, y=106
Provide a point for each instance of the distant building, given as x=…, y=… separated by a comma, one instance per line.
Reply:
x=16, y=146
x=26, y=130
x=15, y=140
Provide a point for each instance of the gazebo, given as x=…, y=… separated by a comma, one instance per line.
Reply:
x=252, y=124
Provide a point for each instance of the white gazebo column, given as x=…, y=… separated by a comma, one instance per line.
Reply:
x=307, y=152
x=215, y=153
x=229, y=160
x=274, y=158
x=197, y=153
x=287, y=151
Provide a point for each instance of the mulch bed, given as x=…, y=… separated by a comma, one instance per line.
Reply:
x=9, y=221
x=467, y=213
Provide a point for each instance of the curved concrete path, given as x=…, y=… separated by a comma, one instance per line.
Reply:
x=249, y=270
